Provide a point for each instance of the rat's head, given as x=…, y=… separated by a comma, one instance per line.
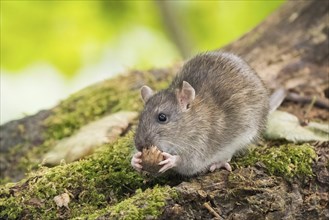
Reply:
x=161, y=118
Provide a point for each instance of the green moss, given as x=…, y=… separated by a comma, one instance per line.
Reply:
x=102, y=179
x=12, y=210
x=147, y=204
x=15, y=162
x=287, y=160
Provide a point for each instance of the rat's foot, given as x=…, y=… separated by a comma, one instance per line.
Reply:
x=169, y=162
x=215, y=166
x=136, y=161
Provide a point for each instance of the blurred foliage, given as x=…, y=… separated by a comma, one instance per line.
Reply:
x=70, y=34
x=216, y=23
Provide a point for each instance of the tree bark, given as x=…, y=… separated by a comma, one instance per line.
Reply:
x=290, y=47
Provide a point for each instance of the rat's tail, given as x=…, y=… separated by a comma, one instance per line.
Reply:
x=277, y=98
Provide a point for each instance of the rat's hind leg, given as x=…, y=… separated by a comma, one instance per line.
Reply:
x=224, y=164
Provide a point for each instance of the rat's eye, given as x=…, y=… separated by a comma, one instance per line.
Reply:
x=162, y=118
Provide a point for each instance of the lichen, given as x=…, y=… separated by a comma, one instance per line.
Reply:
x=287, y=160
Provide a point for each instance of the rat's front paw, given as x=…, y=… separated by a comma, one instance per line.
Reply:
x=136, y=161
x=169, y=162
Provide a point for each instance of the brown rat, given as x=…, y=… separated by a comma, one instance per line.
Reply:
x=215, y=106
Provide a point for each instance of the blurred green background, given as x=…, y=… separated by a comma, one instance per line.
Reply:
x=50, y=49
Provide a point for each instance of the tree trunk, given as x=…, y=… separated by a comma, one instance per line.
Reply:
x=290, y=49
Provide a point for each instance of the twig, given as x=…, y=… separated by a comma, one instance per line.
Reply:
x=321, y=103
x=211, y=210
x=174, y=27
x=309, y=108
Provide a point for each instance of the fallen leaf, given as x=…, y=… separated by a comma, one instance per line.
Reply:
x=89, y=137
x=283, y=125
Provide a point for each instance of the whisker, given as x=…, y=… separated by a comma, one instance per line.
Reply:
x=182, y=148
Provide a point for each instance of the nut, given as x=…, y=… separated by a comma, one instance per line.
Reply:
x=151, y=157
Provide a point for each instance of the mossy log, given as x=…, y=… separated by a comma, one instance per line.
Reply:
x=273, y=181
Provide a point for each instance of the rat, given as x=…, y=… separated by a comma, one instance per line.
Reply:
x=215, y=106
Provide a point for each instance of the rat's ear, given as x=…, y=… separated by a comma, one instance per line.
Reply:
x=185, y=96
x=146, y=93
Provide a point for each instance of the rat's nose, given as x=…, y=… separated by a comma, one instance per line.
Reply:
x=141, y=143
x=138, y=144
